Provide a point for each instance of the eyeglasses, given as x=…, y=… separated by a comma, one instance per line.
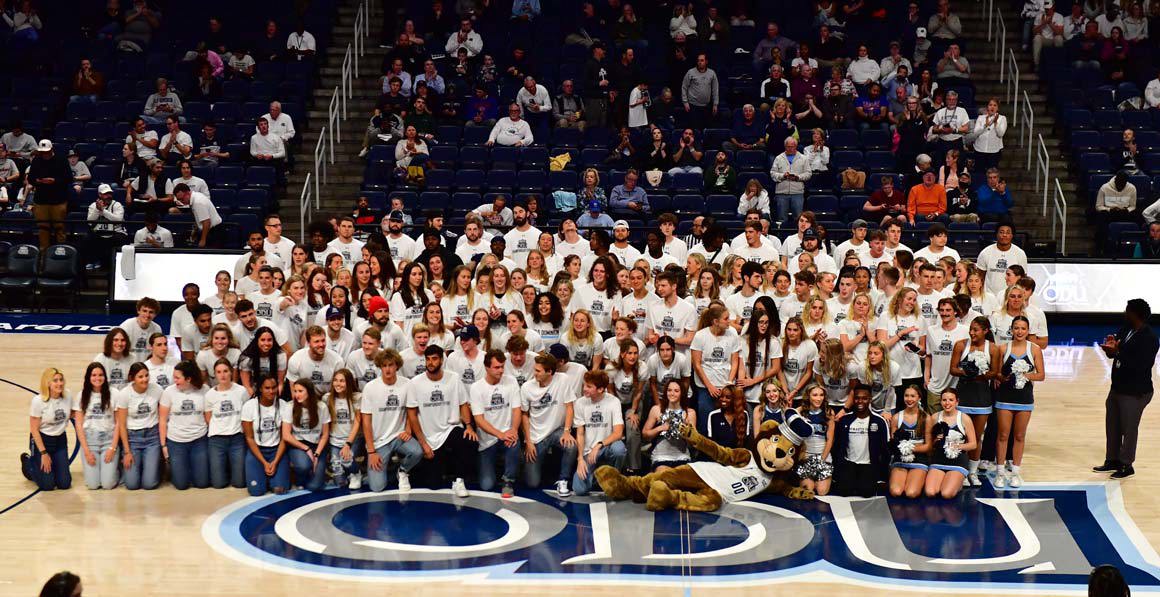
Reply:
x=273, y=225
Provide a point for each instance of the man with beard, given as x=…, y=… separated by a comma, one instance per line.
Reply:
x=625, y=252
x=522, y=238
x=314, y=361
x=439, y=415
x=391, y=336
x=391, y=238
x=432, y=246
x=473, y=241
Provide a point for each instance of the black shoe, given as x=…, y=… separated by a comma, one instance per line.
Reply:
x=24, y=465
x=1107, y=467
x=1124, y=472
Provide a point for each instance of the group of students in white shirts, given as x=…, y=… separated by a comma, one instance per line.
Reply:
x=529, y=317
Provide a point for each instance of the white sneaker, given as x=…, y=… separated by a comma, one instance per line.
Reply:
x=1015, y=480
x=355, y=481
x=986, y=466
x=1000, y=480
x=973, y=480
x=562, y=488
x=404, y=481
x=459, y=488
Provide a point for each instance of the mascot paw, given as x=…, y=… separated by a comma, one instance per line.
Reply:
x=613, y=483
x=799, y=493
x=660, y=497
x=687, y=430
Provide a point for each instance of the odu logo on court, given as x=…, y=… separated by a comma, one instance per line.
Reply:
x=1044, y=538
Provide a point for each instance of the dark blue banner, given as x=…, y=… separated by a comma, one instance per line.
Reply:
x=66, y=323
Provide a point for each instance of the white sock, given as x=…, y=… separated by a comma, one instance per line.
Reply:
x=972, y=466
x=1014, y=469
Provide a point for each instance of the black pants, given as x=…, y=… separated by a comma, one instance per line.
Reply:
x=457, y=458
x=99, y=247
x=1122, y=425
x=855, y=480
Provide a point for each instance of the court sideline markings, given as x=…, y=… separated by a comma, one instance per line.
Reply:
x=71, y=458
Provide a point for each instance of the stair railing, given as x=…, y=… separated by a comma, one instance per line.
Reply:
x=1042, y=171
x=1027, y=124
x=305, y=209
x=1012, y=84
x=1059, y=215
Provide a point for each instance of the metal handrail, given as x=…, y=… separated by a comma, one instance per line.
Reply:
x=1029, y=124
x=1000, y=47
x=332, y=115
x=320, y=160
x=1059, y=212
x=1013, y=81
x=304, y=209
x=1042, y=170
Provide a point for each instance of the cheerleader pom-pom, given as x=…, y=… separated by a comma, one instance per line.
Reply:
x=952, y=444
x=906, y=450
x=674, y=419
x=970, y=368
x=981, y=362
x=1019, y=369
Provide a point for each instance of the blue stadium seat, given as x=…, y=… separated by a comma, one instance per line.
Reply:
x=876, y=140
x=1095, y=163
x=879, y=161
x=563, y=180
x=1085, y=140
x=223, y=198
x=505, y=157
x=468, y=180
x=97, y=132
x=659, y=202
x=229, y=176
x=850, y=206
x=842, y=139
x=1107, y=120
x=595, y=136
x=530, y=181
x=840, y=160
x=823, y=204
x=500, y=181
x=687, y=182
x=592, y=157
x=252, y=111
x=1078, y=118
x=475, y=135
x=1138, y=120
x=567, y=137
x=1148, y=140
x=108, y=111
x=440, y=180
x=473, y=156
x=534, y=158
x=688, y=204
x=443, y=156
x=251, y=200
x=377, y=201
x=226, y=112
x=464, y=202
x=713, y=138
x=196, y=111
x=438, y=200
x=104, y=173
x=260, y=176
x=80, y=111
x=448, y=134
x=750, y=161
x=68, y=132
x=236, y=90
x=721, y=204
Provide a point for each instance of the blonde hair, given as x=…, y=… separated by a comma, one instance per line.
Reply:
x=542, y=275
x=885, y=367
x=589, y=334
x=834, y=358
x=806, y=319
x=896, y=301
x=46, y=379
x=866, y=295
x=290, y=282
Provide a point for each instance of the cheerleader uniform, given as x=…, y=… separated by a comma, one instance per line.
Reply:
x=975, y=397
x=1010, y=397
x=771, y=414
x=938, y=458
x=671, y=451
x=910, y=431
x=813, y=467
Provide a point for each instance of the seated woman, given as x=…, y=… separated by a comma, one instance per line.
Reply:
x=952, y=437
x=669, y=450
x=908, y=472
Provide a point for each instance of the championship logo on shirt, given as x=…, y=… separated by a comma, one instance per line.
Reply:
x=436, y=396
x=392, y=401
x=264, y=310
x=144, y=410
x=316, y=377
x=792, y=366
x=59, y=415
x=497, y=400
x=468, y=375
x=116, y=376
x=225, y=408
x=162, y=380
x=545, y=401
x=928, y=310
x=718, y=354
x=597, y=306
x=667, y=322
x=596, y=418
x=1000, y=265
x=945, y=346
x=267, y=425
x=188, y=406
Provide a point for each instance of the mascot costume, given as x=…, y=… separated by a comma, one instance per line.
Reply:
x=732, y=475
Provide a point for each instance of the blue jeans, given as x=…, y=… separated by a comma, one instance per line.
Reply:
x=703, y=404
x=145, y=445
x=58, y=477
x=612, y=455
x=189, y=463
x=566, y=455
x=787, y=203
x=310, y=475
x=257, y=483
x=410, y=453
x=102, y=475
x=511, y=464
x=341, y=470
x=227, y=460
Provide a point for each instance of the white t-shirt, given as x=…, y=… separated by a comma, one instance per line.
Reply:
x=674, y=321
x=385, y=404
x=266, y=305
x=186, y=420
x=521, y=375
x=225, y=408
x=598, y=419
x=144, y=151
x=470, y=370
x=716, y=355
x=267, y=421
x=837, y=389
x=140, y=409
x=627, y=254
x=283, y=249
x=882, y=395
x=638, y=310
x=623, y=383
x=740, y=306
x=851, y=329
x=438, y=403
x=940, y=343
x=761, y=363
x=795, y=360
x=679, y=369
x=341, y=345
x=245, y=364
x=519, y=243
x=203, y=209
x=96, y=417
x=53, y=413
x=790, y=307
x=301, y=428
x=303, y=366
x=402, y=248
x=161, y=374
x=244, y=336
x=351, y=251
x=858, y=446
x=545, y=405
x=1001, y=325
x=414, y=364
x=456, y=306
x=637, y=112
x=909, y=363
x=581, y=351
x=139, y=338
x=343, y=420
x=206, y=358
x=995, y=263
x=495, y=403
x=116, y=370
x=928, y=306
x=597, y=303
x=762, y=253
x=933, y=257
x=362, y=367
x=406, y=316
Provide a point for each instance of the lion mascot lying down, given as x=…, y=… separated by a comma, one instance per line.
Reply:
x=733, y=475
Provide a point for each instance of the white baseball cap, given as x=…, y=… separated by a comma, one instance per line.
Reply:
x=44, y=145
x=619, y=224
x=920, y=32
x=104, y=188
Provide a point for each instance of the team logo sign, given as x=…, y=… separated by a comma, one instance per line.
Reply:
x=1043, y=539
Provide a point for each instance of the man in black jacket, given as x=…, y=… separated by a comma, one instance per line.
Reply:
x=597, y=83
x=861, y=456
x=50, y=178
x=1133, y=353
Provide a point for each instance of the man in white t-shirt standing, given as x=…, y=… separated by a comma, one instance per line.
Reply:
x=384, y=420
x=671, y=316
x=314, y=361
x=142, y=326
x=495, y=404
x=937, y=249
x=756, y=249
x=997, y=257
x=439, y=414
x=937, y=345
x=740, y=303
x=345, y=244
x=522, y=238
x=280, y=123
x=275, y=243
x=928, y=297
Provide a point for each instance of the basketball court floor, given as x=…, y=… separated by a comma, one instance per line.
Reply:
x=1040, y=540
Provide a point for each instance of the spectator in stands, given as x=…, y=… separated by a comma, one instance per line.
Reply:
x=1114, y=55
x=817, y=152
x=143, y=141
x=949, y=124
x=590, y=189
x=1073, y=24
x=864, y=70
x=594, y=218
x=208, y=231
x=106, y=231
x=152, y=234
x=722, y=177
x=1129, y=153
x=700, y=93
x=687, y=157
x=464, y=38
x=49, y=178
x=1115, y=202
x=597, y=84
x=912, y=130
x=300, y=44
x=775, y=87
x=209, y=150
x=1151, y=213
x=1085, y=49
x=20, y=145
x=535, y=103
x=281, y=124
x=410, y=150
x=803, y=85
x=683, y=22
x=899, y=80
x=714, y=30
x=9, y=179
x=568, y=108
x=790, y=171
x=431, y=77
x=525, y=10
x=658, y=157
x=629, y=29
x=206, y=87
x=638, y=101
x=266, y=147
x=518, y=66
x=662, y=113
x=1149, y=247
x=88, y=84
x=80, y=171
x=396, y=72
x=1136, y=24
x=511, y=130
x=147, y=190
x=164, y=102
x=781, y=126
x=896, y=105
x=1111, y=19
x=922, y=47
x=954, y=66
x=927, y=200
x=962, y=200
x=773, y=39
x=482, y=109
x=270, y=46
x=628, y=198
x=195, y=183
x=871, y=111
x=240, y=64
x=1048, y=30
x=747, y=132
x=944, y=24
x=1152, y=92
x=140, y=24
x=990, y=127
x=829, y=50
x=836, y=107
x=176, y=144
x=889, y=65
x=680, y=59
x=886, y=203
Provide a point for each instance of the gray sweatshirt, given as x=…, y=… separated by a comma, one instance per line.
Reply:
x=700, y=88
x=157, y=100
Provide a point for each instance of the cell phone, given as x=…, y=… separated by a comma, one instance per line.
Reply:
x=912, y=347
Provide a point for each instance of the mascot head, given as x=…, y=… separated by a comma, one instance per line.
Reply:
x=776, y=447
